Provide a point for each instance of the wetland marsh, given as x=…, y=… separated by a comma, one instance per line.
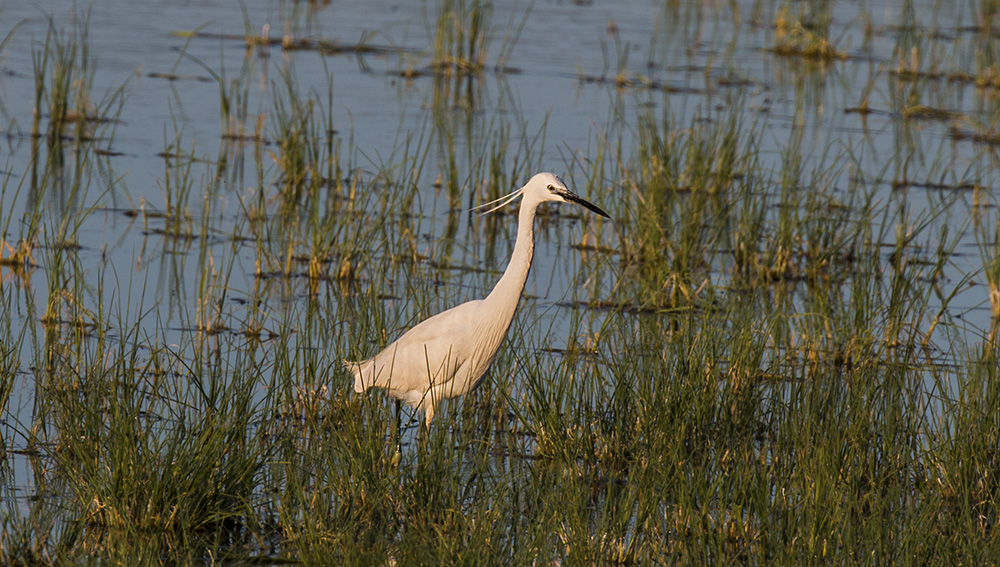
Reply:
x=781, y=348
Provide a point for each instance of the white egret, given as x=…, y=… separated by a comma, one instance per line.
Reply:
x=447, y=355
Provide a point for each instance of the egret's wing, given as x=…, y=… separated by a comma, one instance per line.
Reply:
x=450, y=323
x=429, y=349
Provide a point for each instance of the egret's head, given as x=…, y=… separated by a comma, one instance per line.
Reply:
x=539, y=189
x=547, y=187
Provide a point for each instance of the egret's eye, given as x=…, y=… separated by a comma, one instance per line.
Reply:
x=552, y=188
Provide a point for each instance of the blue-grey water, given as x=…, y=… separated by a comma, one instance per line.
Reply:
x=700, y=58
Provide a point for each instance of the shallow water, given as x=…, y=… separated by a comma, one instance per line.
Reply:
x=699, y=59
x=687, y=60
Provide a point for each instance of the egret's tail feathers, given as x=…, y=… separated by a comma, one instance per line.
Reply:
x=357, y=369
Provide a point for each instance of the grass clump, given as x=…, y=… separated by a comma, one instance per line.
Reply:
x=806, y=37
x=461, y=37
x=64, y=77
x=686, y=179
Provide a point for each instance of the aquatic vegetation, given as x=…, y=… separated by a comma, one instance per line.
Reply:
x=780, y=349
x=805, y=35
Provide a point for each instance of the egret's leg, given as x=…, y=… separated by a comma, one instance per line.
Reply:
x=428, y=413
x=434, y=396
x=399, y=426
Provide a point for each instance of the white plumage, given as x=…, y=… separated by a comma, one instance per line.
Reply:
x=448, y=354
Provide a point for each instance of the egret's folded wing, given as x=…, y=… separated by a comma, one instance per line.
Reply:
x=430, y=351
x=454, y=323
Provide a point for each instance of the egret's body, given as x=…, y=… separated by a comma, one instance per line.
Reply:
x=448, y=354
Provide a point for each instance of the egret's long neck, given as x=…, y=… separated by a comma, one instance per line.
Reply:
x=507, y=292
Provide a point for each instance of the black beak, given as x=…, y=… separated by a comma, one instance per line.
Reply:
x=574, y=198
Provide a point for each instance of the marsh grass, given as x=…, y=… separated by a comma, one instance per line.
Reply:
x=755, y=362
x=64, y=77
x=805, y=32
x=687, y=179
x=176, y=186
x=154, y=447
x=989, y=249
x=461, y=37
x=463, y=34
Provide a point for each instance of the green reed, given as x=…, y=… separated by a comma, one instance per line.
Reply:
x=461, y=37
x=755, y=361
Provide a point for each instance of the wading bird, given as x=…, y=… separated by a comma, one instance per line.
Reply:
x=447, y=355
